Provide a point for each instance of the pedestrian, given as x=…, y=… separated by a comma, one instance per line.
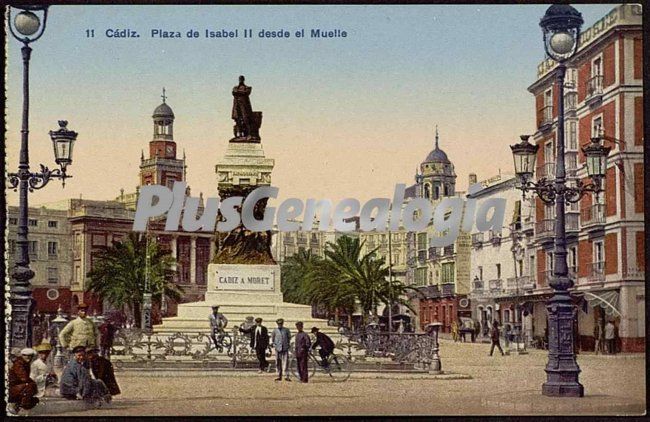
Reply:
x=259, y=342
x=76, y=381
x=598, y=337
x=280, y=338
x=218, y=323
x=303, y=344
x=22, y=388
x=102, y=369
x=454, y=331
x=40, y=370
x=494, y=335
x=107, y=331
x=81, y=331
x=610, y=337
x=325, y=343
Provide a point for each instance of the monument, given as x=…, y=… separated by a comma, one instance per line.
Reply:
x=244, y=278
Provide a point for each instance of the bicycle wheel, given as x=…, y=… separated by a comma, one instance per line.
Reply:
x=226, y=341
x=339, y=368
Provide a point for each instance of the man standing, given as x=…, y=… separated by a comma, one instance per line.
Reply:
x=22, y=389
x=80, y=331
x=610, y=336
x=598, y=336
x=218, y=322
x=76, y=380
x=281, y=337
x=325, y=343
x=303, y=343
x=494, y=335
x=102, y=369
x=259, y=342
x=40, y=370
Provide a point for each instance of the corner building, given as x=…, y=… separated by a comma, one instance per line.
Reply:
x=605, y=232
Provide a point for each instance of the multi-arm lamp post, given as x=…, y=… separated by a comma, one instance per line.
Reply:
x=561, y=28
x=27, y=28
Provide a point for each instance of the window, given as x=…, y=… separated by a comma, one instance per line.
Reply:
x=498, y=271
x=52, y=224
x=33, y=223
x=53, y=275
x=52, y=248
x=531, y=262
x=421, y=276
x=520, y=267
x=12, y=246
x=549, y=212
x=549, y=154
x=32, y=247
x=77, y=274
x=573, y=259
x=427, y=191
x=422, y=241
x=548, y=98
x=571, y=132
x=480, y=272
x=597, y=67
x=599, y=255
x=13, y=220
x=597, y=126
x=549, y=261
x=447, y=273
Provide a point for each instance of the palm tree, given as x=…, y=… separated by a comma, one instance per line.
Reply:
x=119, y=272
x=295, y=270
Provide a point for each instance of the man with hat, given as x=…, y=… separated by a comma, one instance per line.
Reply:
x=281, y=337
x=259, y=341
x=218, y=322
x=303, y=344
x=41, y=371
x=22, y=389
x=81, y=331
x=77, y=382
x=325, y=343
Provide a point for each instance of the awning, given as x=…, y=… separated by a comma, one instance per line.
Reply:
x=608, y=300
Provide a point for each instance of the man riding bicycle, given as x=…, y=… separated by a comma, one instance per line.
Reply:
x=218, y=323
x=325, y=343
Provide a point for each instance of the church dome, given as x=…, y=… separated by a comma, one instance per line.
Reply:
x=163, y=110
x=438, y=156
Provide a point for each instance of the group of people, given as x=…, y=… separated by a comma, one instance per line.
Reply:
x=88, y=375
x=280, y=340
x=605, y=337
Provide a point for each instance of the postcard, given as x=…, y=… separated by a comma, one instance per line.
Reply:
x=324, y=210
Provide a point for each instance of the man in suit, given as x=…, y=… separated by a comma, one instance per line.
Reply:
x=259, y=342
x=281, y=338
x=303, y=343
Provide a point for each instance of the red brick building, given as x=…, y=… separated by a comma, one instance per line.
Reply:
x=603, y=96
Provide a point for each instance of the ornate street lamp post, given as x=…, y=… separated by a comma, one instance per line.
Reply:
x=561, y=28
x=27, y=28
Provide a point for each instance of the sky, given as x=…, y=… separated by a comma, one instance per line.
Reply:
x=343, y=117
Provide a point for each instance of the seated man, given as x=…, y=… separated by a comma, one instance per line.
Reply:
x=102, y=369
x=218, y=323
x=325, y=343
x=41, y=369
x=77, y=382
x=22, y=389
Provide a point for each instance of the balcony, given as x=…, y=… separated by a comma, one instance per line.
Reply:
x=448, y=289
x=546, y=117
x=422, y=256
x=434, y=252
x=570, y=102
x=527, y=282
x=477, y=239
x=596, y=272
x=572, y=220
x=593, y=216
x=495, y=237
x=496, y=285
x=527, y=225
x=546, y=228
x=448, y=250
x=594, y=89
x=546, y=171
x=571, y=162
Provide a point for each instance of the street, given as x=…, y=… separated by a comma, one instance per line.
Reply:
x=499, y=385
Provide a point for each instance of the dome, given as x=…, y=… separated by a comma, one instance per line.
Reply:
x=163, y=110
x=437, y=155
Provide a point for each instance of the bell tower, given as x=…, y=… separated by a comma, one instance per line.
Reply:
x=162, y=167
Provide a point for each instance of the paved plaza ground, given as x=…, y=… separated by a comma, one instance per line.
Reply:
x=614, y=385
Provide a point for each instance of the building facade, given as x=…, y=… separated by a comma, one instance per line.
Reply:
x=603, y=97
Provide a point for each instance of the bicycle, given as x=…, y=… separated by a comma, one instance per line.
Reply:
x=338, y=367
x=224, y=341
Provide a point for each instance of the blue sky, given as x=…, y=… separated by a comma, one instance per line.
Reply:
x=346, y=117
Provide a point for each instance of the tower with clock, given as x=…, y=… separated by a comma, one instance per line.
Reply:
x=162, y=167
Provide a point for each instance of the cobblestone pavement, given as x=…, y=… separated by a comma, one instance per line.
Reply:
x=499, y=385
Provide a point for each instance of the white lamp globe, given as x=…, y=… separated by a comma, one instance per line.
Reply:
x=562, y=42
x=27, y=23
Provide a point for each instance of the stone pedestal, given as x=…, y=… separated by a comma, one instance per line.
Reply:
x=241, y=291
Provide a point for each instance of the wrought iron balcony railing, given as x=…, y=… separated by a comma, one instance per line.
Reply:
x=597, y=271
x=592, y=215
x=594, y=88
x=478, y=285
x=496, y=285
x=570, y=101
x=477, y=239
x=546, y=116
x=546, y=171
